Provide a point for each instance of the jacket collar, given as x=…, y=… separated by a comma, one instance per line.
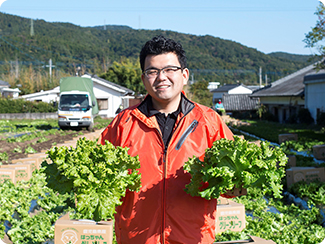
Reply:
x=185, y=105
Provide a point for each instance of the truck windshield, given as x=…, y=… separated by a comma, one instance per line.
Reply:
x=74, y=101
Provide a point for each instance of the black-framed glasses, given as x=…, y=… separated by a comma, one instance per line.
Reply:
x=168, y=71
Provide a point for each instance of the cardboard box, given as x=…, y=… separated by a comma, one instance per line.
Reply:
x=307, y=174
x=292, y=162
x=37, y=155
x=83, y=232
x=257, y=142
x=23, y=171
x=319, y=151
x=35, y=162
x=230, y=216
x=288, y=137
x=240, y=136
x=7, y=174
x=222, y=200
x=254, y=240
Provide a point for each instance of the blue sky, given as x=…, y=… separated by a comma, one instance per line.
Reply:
x=268, y=26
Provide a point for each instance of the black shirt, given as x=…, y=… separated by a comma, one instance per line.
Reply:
x=166, y=123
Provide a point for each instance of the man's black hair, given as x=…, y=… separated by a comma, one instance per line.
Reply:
x=159, y=45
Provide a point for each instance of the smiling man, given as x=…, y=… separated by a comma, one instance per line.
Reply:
x=165, y=130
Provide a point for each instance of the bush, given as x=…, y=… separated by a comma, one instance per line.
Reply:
x=244, y=114
x=270, y=117
x=304, y=116
x=22, y=106
x=321, y=119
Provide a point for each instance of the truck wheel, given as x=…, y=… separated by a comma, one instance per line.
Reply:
x=90, y=127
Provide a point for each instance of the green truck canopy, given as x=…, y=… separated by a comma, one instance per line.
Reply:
x=79, y=84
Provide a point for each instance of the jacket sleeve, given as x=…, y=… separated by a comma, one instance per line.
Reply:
x=112, y=132
x=221, y=130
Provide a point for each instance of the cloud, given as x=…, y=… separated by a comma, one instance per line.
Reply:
x=322, y=1
x=1, y=2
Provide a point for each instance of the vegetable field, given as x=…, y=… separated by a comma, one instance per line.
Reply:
x=29, y=209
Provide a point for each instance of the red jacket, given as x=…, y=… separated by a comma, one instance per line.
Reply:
x=162, y=212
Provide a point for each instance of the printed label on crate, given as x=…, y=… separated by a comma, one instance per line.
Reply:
x=7, y=174
x=82, y=232
x=230, y=216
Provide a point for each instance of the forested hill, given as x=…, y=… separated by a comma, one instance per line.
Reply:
x=68, y=45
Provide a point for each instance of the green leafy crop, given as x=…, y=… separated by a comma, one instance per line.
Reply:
x=97, y=176
x=236, y=163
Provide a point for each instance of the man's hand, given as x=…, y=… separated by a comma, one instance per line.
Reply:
x=236, y=192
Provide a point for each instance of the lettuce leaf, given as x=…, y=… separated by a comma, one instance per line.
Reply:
x=236, y=163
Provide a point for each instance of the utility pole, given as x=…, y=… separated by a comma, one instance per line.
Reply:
x=31, y=27
x=50, y=68
x=17, y=68
x=265, y=79
x=260, y=76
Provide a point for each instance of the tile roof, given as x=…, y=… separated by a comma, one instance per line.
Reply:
x=225, y=88
x=239, y=102
x=291, y=85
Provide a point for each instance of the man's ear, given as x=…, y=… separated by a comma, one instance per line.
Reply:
x=142, y=78
x=186, y=74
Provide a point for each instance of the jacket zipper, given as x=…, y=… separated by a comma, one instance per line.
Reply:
x=164, y=190
x=186, y=133
x=164, y=196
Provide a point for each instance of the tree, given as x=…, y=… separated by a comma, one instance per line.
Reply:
x=200, y=93
x=127, y=74
x=316, y=36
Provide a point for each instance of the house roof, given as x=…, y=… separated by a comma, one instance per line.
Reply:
x=225, y=88
x=55, y=90
x=239, y=102
x=110, y=84
x=290, y=85
x=315, y=76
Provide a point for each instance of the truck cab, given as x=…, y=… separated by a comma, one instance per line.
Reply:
x=77, y=108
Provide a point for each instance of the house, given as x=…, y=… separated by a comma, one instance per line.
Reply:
x=239, y=102
x=108, y=94
x=44, y=96
x=213, y=85
x=315, y=93
x=286, y=96
x=229, y=89
x=8, y=92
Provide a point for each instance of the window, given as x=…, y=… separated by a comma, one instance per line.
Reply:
x=102, y=104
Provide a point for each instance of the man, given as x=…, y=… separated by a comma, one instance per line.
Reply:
x=165, y=130
x=220, y=108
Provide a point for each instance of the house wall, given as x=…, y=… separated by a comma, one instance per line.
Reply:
x=216, y=96
x=283, y=107
x=240, y=90
x=315, y=97
x=114, y=99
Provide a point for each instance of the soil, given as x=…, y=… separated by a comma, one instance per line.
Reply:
x=56, y=139
x=38, y=146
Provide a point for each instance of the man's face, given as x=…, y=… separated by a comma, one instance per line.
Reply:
x=164, y=88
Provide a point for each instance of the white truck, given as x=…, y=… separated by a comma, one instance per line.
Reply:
x=77, y=106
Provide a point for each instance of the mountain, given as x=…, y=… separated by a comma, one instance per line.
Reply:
x=210, y=58
x=292, y=57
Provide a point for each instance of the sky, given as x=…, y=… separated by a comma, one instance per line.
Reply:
x=268, y=26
